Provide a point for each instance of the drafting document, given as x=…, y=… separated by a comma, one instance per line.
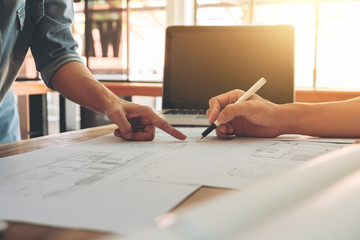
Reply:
x=331, y=214
x=234, y=163
x=318, y=200
x=78, y=188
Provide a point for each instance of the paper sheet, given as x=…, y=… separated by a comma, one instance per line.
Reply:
x=114, y=185
x=84, y=189
x=235, y=163
x=318, y=200
x=330, y=214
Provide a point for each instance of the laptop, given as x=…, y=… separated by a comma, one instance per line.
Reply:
x=204, y=61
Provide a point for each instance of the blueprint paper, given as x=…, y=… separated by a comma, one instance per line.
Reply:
x=109, y=184
x=236, y=163
x=83, y=189
x=315, y=201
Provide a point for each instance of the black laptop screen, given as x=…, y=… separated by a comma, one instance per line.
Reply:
x=204, y=61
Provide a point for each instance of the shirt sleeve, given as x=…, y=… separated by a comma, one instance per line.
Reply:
x=53, y=44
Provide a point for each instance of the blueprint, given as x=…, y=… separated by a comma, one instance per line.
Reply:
x=77, y=188
x=110, y=184
x=235, y=163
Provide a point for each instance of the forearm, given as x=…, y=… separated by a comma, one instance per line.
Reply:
x=135, y=122
x=333, y=119
x=75, y=82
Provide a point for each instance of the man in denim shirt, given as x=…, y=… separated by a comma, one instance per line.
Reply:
x=44, y=26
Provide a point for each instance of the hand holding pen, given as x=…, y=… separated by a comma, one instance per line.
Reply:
x=249, y=93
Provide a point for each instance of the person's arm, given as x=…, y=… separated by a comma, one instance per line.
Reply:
x=261, y=118
x=136, y=122
x=54, y=50
x=330, y=119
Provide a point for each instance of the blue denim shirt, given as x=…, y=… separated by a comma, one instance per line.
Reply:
x=42, y=25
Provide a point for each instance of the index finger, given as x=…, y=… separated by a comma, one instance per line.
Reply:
x=221, y=101
x=159, y=122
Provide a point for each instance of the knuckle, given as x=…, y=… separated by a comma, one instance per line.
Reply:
x=147, y=109
x=208, y=112
x=237, y=92
x=212, y=101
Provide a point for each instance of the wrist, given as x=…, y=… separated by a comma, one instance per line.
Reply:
x=110, y=103
x=291, y=118
x=107, y=99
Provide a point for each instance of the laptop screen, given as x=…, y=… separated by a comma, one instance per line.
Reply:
x=204, y=61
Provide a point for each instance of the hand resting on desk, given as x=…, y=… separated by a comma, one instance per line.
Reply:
x=259, y=117
x=135, y=122
x=255, y=117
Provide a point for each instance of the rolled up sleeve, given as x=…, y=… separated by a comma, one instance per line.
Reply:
x=53, y=44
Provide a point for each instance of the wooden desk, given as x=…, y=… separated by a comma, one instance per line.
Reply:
x=21, y=231
x=119, y=88
x=155, y=89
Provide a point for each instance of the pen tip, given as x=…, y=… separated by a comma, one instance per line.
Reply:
x=201, y=137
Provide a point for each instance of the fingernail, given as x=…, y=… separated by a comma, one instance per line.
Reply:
x=117, y=133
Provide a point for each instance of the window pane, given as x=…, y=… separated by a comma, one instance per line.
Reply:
x=125, y=40
x=339, y=44
x=147, y=24
x=106, y=39
x=217, y=12
x=300, y=14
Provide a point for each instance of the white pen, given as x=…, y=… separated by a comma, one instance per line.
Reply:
x=248, y=94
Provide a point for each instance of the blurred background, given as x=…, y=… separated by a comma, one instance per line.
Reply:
x=123, y=40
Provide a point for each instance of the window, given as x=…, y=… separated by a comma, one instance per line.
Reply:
x=338, y=62
x=123, y=40
x=327, y=45
x=126, y=37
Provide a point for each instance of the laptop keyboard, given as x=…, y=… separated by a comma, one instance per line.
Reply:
x=185, y=111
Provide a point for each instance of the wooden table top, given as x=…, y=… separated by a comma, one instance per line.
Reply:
x=25, y=231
